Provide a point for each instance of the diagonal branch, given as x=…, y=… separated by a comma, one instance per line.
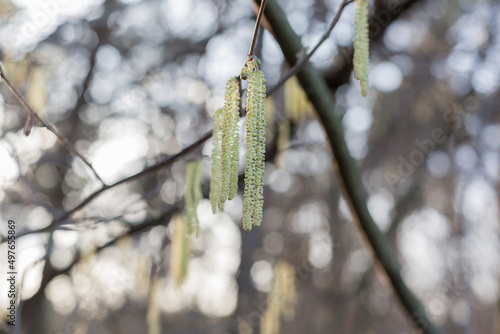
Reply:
x=148, y=170
x=320, y=96
x=33, y=118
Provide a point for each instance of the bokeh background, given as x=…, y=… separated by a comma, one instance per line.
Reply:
x=132, y=82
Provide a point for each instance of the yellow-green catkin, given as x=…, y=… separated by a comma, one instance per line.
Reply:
x=281, y=300
x=233, y=112
x=192, y=194
x=297, y=105
x=216, y=161
x=361, y=44
x=256, y=147
x=180, y=251
x=153, y=314
x=225, y=154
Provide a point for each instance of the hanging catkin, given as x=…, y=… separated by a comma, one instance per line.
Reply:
x=256, y=147
x=361, y=44
x=225, y=154
x=192, y=194
x=216, y=161
x=280, y=300
x=180, y=251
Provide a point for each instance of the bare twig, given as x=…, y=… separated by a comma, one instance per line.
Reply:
x=305, y=57
x=256, y=29
x=51, y=272
x=148, y=170
x=33, y=118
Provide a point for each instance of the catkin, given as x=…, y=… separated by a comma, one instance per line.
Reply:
x=361, y=44
x=192, y=194
x=256, y=147
x=225, y=154
x=180, y=251
x=281, y=300
x=234, y=115
x=216, y=161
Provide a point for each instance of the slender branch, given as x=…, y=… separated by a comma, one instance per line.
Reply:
x=163, y=219
x=305, y=57
x=257, y=25
x=33, y=118
x=148, y=170
x=350, y=180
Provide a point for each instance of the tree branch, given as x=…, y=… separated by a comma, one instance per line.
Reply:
x=320, y=96
x=33, y=117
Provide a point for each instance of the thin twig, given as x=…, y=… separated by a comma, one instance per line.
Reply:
x=164, y=219
x=305, y=57
x=33, y=118
x=148, y=170
x=257, y=25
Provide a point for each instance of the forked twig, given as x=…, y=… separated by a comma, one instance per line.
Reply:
x=33, y=118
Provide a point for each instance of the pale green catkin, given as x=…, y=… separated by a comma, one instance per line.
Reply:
x=192, y=195
x=216, y=161
x=261, y=147
x=180, y=251
x=235, y=153
x=188, y=195
x=255, y=139
x=229, y=139
x=361, y=44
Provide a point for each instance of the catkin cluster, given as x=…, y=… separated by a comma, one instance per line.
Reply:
x=256, y=147
x=192, y=195
x=361, y=44
x=225, y=154
x=224, y=182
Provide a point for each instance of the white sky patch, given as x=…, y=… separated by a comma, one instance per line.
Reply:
x=380, y=205
x=119, y=152
x=8, y=167
x=60, y=293
x=486, y=79
x=38, y=19
x=113, y=158
x=217, y=295
x=403, y=35
x=421, y=237
x=262, y=275
x=358, y=119
x=386, y=76
x=320, y=252
x=479, y=203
